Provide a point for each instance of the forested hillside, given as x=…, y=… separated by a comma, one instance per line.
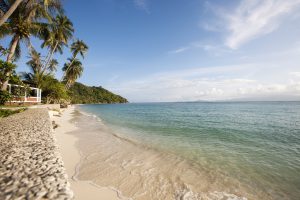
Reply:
x=82, y=94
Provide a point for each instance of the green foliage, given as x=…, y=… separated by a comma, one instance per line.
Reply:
x=6, y=69
x=18, y=93
x=79, y=47
x=37, y=70
x=53, y=91
x=73, y=70
x=82, y=94
x=3, y=51
x=4, y=97
x=15, y=79
x=7, y=112
x=57, y=34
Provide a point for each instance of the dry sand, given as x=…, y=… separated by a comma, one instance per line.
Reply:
x=82, y=189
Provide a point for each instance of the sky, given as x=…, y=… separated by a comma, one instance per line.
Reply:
x=189, y=50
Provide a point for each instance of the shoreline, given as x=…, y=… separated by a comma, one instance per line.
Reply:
x=72, y=159
x=138, y=172
x=93, y=162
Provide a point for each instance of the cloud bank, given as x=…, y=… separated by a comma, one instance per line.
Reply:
x=213, y=84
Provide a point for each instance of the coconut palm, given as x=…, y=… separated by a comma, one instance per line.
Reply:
x=46, y=6
x=10, y=11
x=57, y=36
x=37, y=70
x=73, y=70
x=20, y=27
x=79, y=47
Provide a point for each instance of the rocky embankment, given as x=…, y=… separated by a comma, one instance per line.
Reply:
x=30, y=164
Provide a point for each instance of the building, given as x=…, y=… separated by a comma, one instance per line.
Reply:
x=20, y=94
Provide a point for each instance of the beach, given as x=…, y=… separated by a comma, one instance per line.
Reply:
x=149, y=100
x=137, y=151
x=101, y=163
x=71, y=157
x=79, y=152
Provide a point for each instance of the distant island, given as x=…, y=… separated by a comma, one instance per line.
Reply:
x=82, y=94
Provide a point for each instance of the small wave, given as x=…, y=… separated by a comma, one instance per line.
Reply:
x=89, y=115
x=187, y=194
x=141, y=172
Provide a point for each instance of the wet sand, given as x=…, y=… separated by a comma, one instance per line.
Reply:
x=85, y=190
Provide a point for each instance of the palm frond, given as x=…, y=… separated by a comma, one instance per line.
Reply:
x=5, y=30
x=79, y=47
x=53, y=64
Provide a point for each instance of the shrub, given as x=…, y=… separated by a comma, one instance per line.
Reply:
x=4, y=97
x=6, y=71
x=53, y=91
x=7, y=112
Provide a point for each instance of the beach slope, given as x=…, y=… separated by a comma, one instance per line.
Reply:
x=71, y=156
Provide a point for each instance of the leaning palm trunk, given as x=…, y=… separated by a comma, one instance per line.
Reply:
x=5, y=17
x=10, y=59
x=12, y=49
x=64, y=74
x=69, y=84
x=49, y=58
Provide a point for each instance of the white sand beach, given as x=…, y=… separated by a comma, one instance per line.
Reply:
x=71, y=157
x=125, y=168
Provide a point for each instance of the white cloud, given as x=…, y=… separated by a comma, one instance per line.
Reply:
x=214, y=83
x=254, y=18
x=179, y=50
x=297, y=74
x=215, y=50
x=142, y=5
x=251, y=19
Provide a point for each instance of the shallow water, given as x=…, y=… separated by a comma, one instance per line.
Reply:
x=194, y=150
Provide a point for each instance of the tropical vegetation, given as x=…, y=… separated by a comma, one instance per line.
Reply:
x=44, y=20
x=82, y=94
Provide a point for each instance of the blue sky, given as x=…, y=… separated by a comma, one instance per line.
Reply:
x=179, y=50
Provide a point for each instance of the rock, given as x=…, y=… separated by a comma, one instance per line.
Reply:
x=30, y=165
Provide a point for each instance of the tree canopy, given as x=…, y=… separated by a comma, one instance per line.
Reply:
x=82, y=94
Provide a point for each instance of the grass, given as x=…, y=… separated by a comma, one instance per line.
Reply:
x=7, y=112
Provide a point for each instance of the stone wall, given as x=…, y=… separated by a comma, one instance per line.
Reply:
x=30, y=164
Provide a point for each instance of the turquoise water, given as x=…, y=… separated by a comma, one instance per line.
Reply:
x=257, y=143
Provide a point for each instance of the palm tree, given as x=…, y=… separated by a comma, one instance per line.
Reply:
x=38, y=72
x=49, y=6
x=57, y=36
x=73, y=71
x=77, y=47
x=20, y=27
x=10, y=11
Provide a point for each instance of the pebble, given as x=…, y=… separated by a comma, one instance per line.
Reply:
x=30, y=164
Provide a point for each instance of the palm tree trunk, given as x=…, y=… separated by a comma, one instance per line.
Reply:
x=12, y=49
x=47, y=57
x=13, y=7
x=50, y=56
x=68, y=85
x=9, y=59
x=62, y=78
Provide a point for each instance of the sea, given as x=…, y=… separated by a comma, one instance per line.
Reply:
x=192, y=150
